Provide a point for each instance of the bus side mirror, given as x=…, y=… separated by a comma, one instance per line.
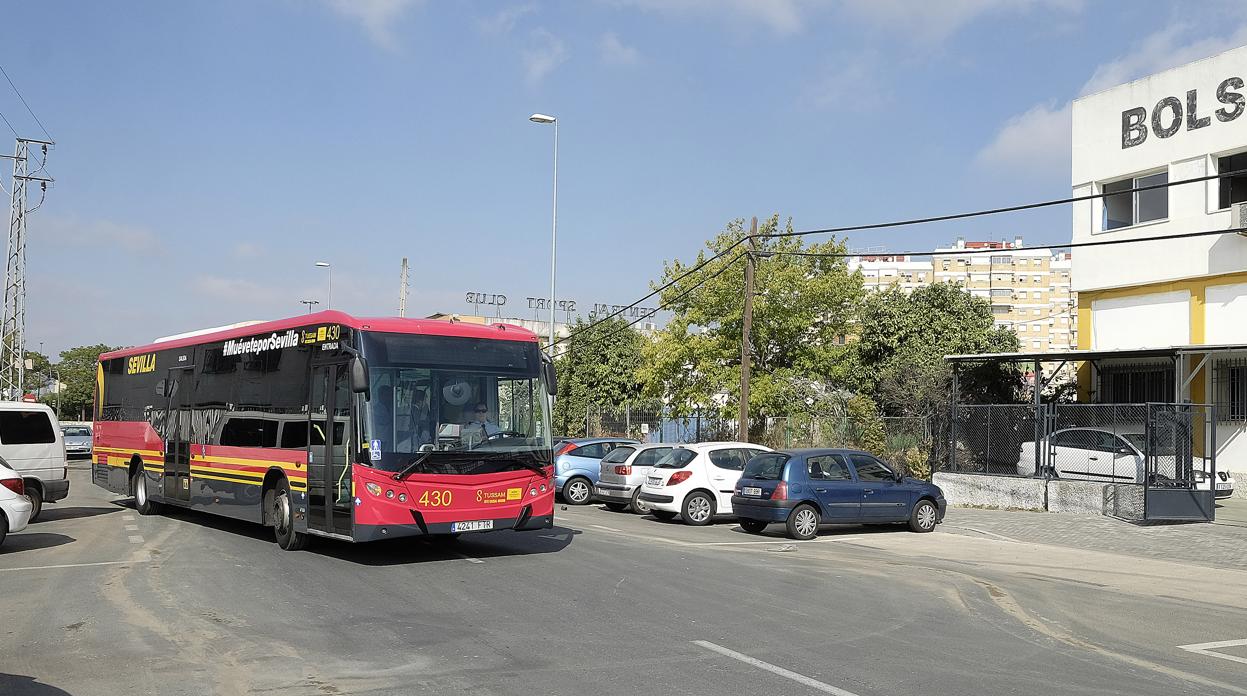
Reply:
x=359, y=376
x=552, y=385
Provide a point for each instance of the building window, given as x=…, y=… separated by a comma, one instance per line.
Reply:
x=1123, y=208
x=945, y=264
x=1002, y=292
x=1036, y=343
x=1230, y=387
x=1233, y=189
x=1001, y=309
x=1002, y=260
x=1136, y=384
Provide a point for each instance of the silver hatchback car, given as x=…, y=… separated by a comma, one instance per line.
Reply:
x=622, y=473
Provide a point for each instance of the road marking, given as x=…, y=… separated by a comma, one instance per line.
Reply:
x=467, y=558
x=1209, y=648
x=132, y=528
x=774, y=669
x=76, y=565
x=609, y=529
x=136, y=539
x=984, y=532
x=128, y=518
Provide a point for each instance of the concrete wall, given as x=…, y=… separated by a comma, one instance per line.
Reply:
x=1071, y=497
x=1005, y=492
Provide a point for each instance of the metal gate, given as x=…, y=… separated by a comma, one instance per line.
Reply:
x=1167, y=449
x=1181, y=456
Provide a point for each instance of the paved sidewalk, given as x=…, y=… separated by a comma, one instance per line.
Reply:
x=1210, y=545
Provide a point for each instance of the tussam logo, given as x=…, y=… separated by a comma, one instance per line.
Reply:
x=290, y=339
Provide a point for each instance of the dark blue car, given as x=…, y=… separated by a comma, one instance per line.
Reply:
x=808, y=487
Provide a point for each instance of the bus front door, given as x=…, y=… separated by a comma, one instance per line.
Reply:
x=177, y=482
x=329, y=468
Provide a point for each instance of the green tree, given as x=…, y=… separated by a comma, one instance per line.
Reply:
x=902, y=341
x=77, y=369
x=37, y=375
x=598, y=368
x=803, y=307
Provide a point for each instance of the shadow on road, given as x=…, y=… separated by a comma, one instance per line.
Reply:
x=56, y=512
x=404, y=550
x=29, y=541
x=18, y=685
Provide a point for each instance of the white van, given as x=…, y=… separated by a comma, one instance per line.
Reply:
x=32, y=444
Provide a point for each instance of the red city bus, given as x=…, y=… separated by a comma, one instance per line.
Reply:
x=336, y=426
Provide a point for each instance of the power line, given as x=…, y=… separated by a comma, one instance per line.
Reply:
x=28, y=109
x=1103, y=242
x=901, y=223
x=10, y=125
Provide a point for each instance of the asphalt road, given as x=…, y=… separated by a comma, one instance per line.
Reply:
x=98, y=600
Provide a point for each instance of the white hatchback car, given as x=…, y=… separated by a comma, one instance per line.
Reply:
x=623, y=471
x=696, y=482
x=14, y=505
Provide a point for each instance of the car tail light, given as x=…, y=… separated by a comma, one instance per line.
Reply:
x=781, y=491
x=679, y=477
x=16, y=485
x=623, y=470
x=567, y=447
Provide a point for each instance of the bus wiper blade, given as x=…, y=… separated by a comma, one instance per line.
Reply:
x=415, y=464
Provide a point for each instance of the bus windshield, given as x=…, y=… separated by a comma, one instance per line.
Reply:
x=455, y=405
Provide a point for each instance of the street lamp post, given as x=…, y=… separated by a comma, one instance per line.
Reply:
x=309, y=304
x=329, y=299
x=554, y=225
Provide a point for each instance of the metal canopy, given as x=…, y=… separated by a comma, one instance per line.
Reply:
x=1080, y=355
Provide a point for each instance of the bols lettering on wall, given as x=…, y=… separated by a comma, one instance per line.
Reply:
x=1169, y=114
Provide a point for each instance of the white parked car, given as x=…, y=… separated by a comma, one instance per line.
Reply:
x=32, y=444
x=622, y=473
x=14, y=506
x=696, y=482
x=1092, y=454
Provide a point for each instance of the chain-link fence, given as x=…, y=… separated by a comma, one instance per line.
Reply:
x=657, y=423
x=905, y=442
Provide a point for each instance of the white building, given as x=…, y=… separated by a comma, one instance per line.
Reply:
x=883, y=271
x=1183, y=123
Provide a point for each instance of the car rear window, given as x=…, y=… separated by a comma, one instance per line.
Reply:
x=650, y=456
x=619, y=455
x=76, y=431
x=766, y=467
x=678, y=458
x=26, y=428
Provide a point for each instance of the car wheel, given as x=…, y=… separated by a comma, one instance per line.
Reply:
x=577, y=491
x=4, y=528
x=698, y=509
x=753, y=526
x=924, y=517
x=617, y=507
x=35, y=495
x=803, y=523
x=283, y=520
x=639, y=506
x=664, y=515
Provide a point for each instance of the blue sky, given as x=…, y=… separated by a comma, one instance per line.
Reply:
x=208, y=153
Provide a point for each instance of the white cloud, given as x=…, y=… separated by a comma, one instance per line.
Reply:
x=377, y=17
x=1167, y=48
x=1038, y=142
x=1035, y=144
x=850, y=83
x=240, y=290
x=71, y=232
x=545, y=53
x=780, y=16
x=504, y=21
x=615, y=52
x=934, y=21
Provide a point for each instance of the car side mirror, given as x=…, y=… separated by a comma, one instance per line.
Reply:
x=359, y=377
x=1124, y=450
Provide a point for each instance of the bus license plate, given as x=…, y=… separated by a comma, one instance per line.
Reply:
x=752, y=492
x=472, y=526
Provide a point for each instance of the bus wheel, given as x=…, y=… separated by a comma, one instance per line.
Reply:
x=142, y=500
x=283, y=520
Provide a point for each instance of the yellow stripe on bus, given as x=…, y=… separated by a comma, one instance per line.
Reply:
x=126, y=451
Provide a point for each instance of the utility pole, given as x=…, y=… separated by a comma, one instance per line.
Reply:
x=402, y=290
x=745, y=349
x=13, y=318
